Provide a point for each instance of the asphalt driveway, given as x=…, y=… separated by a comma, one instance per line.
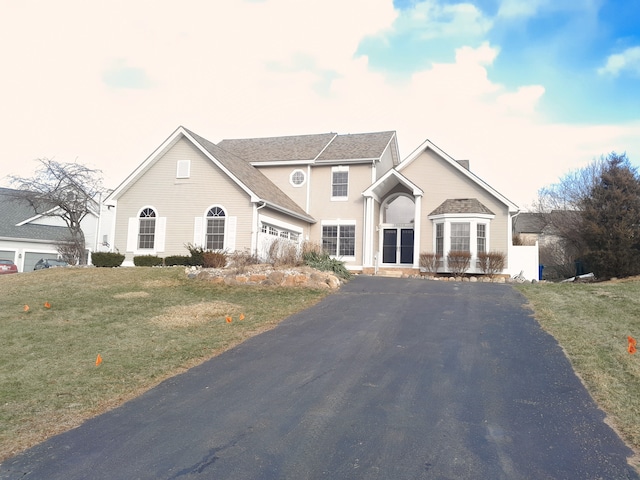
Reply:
x=386, y=379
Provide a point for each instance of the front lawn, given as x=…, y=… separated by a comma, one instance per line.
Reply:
x=145, y=323
x=592, y=322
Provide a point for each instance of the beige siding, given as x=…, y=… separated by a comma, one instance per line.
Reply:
x=385, y=164
x=323, y=208
x=280, y=176
x=181, y=200
x=440, y=181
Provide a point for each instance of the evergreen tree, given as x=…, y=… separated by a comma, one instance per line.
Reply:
x=611, y=220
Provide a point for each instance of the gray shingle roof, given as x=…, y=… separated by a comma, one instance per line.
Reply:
x=14, y=211
x=357, y=146
x=306, y=148
x=274, y=149
x=254, y=179
x=461, y=205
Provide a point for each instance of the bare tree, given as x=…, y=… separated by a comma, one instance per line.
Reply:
x=65, y=190
x=560, y=217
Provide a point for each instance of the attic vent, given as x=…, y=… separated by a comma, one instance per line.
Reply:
x=183, y=169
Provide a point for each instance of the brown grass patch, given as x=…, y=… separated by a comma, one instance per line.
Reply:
x=197, y=314
x=131, y=295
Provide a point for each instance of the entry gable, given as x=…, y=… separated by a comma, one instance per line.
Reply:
x=388, y=182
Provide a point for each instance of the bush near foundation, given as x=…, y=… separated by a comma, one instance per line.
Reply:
x=147, y=261
x=107, y=259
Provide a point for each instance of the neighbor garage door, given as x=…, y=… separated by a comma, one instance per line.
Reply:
x=30, y=259
x=7, y=255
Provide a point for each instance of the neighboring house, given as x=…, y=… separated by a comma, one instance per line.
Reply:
x=349, y=193
x=26, y=237
x=536, y=228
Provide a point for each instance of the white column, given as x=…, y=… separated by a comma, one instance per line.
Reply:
x=416, y=230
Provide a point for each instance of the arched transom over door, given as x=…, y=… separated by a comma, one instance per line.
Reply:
x=397, y=227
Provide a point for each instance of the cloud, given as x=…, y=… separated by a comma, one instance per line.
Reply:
x=275, y=67
x=628, y=60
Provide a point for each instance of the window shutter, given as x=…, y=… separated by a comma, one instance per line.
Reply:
x=132, y=234
x=230, y=244
x=161, y=231
x=197, y=231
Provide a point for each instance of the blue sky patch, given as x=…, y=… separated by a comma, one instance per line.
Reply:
x=121, y=76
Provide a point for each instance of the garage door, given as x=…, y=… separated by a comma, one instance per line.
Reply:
x=30, y=259
x=8, y=255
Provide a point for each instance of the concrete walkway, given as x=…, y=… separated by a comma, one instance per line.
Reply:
x=386, y=379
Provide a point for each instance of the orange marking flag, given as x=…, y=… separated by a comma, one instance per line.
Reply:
x=47, y=305
x=228, y=319
x=242, y=316
x=26, y=308
x=98, y=360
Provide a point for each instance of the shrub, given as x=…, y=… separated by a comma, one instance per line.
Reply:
x=283, y=252
x=107, y=259
x=241, y=260
x=491, y=263
x=323, y=261
x=197, y=255
x=147, y=261
x=459, y=262
x=216, y=259
x=177, y=260
x=430, y=262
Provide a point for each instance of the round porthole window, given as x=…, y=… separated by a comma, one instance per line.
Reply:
x=297, y=178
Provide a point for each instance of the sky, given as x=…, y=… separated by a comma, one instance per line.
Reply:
x=526, y=90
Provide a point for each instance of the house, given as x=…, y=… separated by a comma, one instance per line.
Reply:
x=26, y=237
x=350, y=193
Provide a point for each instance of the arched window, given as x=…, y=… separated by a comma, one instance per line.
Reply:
x=399, y=210
x=147, y=229
x=215, y=229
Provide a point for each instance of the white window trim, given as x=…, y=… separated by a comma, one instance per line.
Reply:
x=280, y=224
x=340, y=223
x=340, y=168
x=304, y=178
x=158, y=234
x=205, y=218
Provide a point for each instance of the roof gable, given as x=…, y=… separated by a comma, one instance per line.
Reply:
x=428, y=145
x=250, y=179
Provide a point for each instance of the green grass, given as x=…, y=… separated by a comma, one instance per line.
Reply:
x=591, y=322
x=146, y=323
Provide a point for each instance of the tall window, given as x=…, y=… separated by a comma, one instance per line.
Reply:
x=215, y=229
x=440, y=239
x=147, y=229
x=339, y=240
x=460, y=237
x=339, y=182
x=482, y=237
